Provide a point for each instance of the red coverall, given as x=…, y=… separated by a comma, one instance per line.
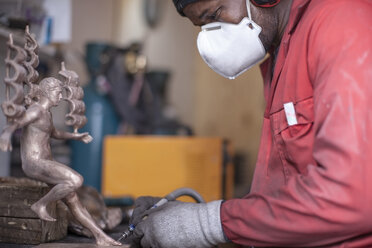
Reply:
x=313, y=180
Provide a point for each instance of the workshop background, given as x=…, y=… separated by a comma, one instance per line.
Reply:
x=192, y=101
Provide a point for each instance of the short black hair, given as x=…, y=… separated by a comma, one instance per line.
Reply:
x=181, y=4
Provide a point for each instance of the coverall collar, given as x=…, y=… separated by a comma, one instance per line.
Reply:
x=298, y=8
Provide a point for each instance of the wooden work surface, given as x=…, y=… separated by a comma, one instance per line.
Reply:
x=73, y=241
x=69, y=245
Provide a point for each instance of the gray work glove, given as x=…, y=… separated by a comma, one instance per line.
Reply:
x=181, y=225
x=142, y=206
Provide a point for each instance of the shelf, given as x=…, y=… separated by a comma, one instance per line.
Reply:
x=18, y=35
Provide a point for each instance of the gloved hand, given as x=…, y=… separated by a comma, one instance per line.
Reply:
x=141, y=207
x=179, y=224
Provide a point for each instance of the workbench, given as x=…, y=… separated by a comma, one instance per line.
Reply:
x=73, y=241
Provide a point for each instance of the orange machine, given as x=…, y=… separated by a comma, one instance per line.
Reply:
x=157, y=165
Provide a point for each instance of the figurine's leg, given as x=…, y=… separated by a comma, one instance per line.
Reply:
x=83, y=216
x=63, y=177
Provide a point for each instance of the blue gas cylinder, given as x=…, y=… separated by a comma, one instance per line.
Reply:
x=102, y=120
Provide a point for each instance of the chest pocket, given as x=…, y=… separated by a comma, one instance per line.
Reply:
x=294, y=142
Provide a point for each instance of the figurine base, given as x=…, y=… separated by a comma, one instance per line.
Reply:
x=18, y=223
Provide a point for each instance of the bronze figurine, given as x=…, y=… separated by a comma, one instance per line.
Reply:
x=31, y=112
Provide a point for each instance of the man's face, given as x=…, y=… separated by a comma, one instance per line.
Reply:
x=231, y=11
x=206, y=11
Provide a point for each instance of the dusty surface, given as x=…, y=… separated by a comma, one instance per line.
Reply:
x=75, y=241
x=70, y=245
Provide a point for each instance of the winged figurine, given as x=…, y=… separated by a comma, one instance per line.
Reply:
x=27, y=106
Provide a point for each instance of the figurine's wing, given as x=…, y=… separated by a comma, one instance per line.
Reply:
x=74, y=96
x=32, y=61
x=13, y=106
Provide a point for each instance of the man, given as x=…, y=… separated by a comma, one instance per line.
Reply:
x=312, y=182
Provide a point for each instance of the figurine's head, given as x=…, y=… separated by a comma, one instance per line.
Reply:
x=51, y=89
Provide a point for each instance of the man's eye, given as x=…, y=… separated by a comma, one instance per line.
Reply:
x=216, y=14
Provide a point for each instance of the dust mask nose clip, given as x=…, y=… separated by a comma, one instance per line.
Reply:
x=231, y=49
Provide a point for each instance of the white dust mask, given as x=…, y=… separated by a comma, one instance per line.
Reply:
x=231, y=49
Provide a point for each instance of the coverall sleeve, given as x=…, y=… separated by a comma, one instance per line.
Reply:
x=333, y=201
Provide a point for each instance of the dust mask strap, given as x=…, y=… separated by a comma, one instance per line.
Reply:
x=248, y=4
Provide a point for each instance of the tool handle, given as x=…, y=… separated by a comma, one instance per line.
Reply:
x=159, y=203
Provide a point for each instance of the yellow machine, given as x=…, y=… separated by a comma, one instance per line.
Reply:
x=156, y=165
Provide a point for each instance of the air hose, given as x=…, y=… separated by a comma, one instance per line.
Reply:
x=185, y=192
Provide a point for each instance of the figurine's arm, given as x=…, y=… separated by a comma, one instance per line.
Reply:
x=5, y=138
x=58, y=134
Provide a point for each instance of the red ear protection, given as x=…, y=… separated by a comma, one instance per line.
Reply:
x=265, y=3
